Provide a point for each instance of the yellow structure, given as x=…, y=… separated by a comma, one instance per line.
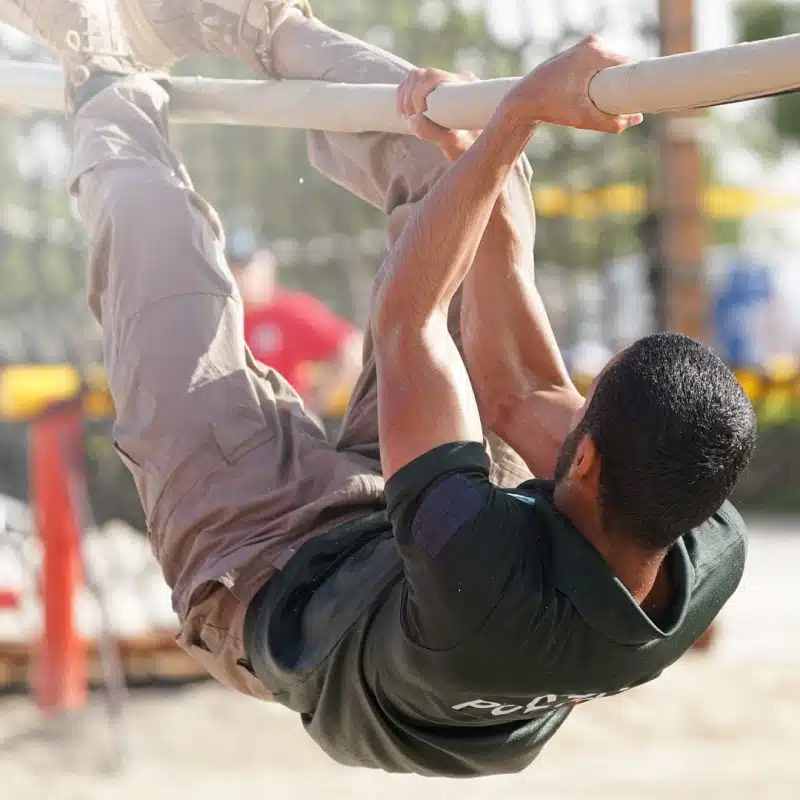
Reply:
x=630, y=199
x=27, y=390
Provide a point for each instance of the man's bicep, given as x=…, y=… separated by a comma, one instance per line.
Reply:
x=425, y=398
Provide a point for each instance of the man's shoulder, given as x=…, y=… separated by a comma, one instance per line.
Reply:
x=409, y=486
x=534, y=491
x=538, y=494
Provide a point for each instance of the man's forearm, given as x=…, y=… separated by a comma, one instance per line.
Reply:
x=518, y=374
x=507, y=335
x=523, y=388
x=503, y=314
x=438, y=245
x=418, y=364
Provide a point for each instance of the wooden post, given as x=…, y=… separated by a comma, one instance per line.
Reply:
x=682, y=239
x=60, y=678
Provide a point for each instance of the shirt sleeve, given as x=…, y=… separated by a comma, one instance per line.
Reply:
x=461, y=540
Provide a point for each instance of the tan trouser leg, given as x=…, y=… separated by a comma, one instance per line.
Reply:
x=232, y=474
x=389, y=171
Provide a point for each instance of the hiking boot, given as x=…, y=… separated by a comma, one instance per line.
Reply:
x=164, y=31
x=86, y=34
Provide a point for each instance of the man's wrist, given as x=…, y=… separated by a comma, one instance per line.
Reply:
x=511, y=127
x=525, y=110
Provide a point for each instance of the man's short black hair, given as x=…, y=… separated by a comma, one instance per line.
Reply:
x=674, y=430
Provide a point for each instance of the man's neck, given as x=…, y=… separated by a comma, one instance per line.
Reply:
x=643, y=573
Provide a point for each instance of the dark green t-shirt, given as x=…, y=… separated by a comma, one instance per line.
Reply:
x=457, y=639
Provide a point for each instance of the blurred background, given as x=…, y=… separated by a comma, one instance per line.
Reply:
x=690, y=222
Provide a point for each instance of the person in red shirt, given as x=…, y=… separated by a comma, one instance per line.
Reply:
x=293, y=332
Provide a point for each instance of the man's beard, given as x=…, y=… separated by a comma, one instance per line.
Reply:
x=568, y=451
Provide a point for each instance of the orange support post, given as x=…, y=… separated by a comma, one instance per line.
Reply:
x=56, y=456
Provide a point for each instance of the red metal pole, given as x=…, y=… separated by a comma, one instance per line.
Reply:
x=60, y=678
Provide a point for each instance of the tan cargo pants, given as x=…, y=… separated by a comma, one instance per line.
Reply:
x=232, y=473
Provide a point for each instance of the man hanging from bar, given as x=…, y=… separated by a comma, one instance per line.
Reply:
x=422, y=603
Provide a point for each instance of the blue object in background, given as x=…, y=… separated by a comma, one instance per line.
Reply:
x=742, y=301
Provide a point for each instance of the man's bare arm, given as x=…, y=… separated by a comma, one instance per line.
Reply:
x=425, y=396
x=524, y=391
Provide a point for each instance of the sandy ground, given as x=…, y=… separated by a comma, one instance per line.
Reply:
x=726, y=725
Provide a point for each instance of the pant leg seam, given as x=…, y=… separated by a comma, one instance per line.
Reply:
x=136, y=314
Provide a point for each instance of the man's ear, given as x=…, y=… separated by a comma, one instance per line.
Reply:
x=586, y=464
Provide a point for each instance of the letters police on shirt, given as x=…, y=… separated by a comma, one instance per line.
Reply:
x=538, y=705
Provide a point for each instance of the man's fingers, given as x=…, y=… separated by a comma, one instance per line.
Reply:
x=422, y=88
x=630, y=121
x=417, y=125
x=413, y=92
x=419, y=96
x=623, y=122
x=406, y=90
x=400, y=98
x=405, y=106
